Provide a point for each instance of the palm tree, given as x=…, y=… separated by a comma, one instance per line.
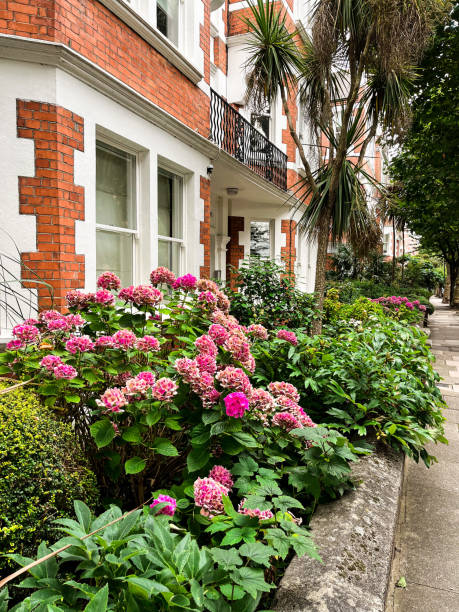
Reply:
x=359, y=58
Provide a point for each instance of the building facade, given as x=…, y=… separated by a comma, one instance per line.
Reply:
x=127, y=144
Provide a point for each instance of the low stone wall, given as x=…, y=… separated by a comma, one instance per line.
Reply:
x=355, y=537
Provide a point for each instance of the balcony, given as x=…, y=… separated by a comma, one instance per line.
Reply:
x=235, y=135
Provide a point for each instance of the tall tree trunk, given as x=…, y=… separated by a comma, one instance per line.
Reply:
x=453, y=271
x=321, y=267
x=403, y=253
x=393, y=250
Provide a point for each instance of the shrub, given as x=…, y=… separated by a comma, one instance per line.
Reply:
x=267, y=296
x=41, y=472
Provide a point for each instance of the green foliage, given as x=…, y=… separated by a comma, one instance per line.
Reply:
x=266, y=295
x=42, y=471
x=366, y=378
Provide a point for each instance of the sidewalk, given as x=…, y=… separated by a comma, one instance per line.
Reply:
x=427, y=540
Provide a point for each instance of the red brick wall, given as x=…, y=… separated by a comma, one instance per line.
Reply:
x=220, y=54
x=52, y=197
x=288, y=252
x=234, y=250
x=92, y=30
x=204, y=234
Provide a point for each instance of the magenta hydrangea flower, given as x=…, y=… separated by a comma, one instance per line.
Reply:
x=147, y=344
x=187, y=282
x=208, y=495
x=15, y=345
x=164, y=389
x=124, y=339
x=57, y=325
x=288, y=336
x=126, y=293
x=258, y=331
x=28, y=334
x=262, y=515
x=108, y=280
x=144, y=295
x=283, y=388
x=162, y=275
x=105, y=342
x=236, y=404
x=79, y=344
x=50, y=362
x=206, y=363
x=234, y=379
x=218, y=333
x=169, y=510
x=147, y=376
x=104, y=297
x=113, y=399
x=65, y=371
x=222, y=475
x=206, y=345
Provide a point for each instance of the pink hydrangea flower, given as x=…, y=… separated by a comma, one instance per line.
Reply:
x=164, y=389
x=262, y=515
x=234, y=379
x=249, y=364
x=238, y=346
x=58, y=325
x=205, y=284
x=284, y=388
x=108, y=280
x=113, y=399
x=50, y=362
x=31, y=322
x=223, y=302
x=222, y=475
x=147, y=376
x=65, y=371
x=288, y=336
x=258, y=331
x=147, y=344
x=78, y=299
x=206, y=345
x=79, y=344
x=203, y=383
x=126, y=293
x=210, y=397
x=162, y=275
x=208, y=298
x=75, y=320
x=28, y=334
x=262, y=405
x=49, y=315
x=104, y=297
x=124, y=339
x=218, y=333
x=169, y=510
x=187, y=282
x=15, y=345
x=144, y=295
x=208, y=495
x=105, y=342
x=206, y=363
x=187, y=368
x=135, y=386
x=422, y=308
x=236, y=404
x=286, y=421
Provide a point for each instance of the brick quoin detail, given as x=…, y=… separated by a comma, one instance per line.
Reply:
x=204, y=233
x=220, y=54
x=288, y=252
x=234, y=251
x=53, y=198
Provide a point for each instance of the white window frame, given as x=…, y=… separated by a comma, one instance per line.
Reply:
x=148, y=10
x=271, y=223
x=135, y=233
x=164, y=164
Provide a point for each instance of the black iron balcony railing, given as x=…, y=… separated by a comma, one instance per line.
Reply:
x=234, y=134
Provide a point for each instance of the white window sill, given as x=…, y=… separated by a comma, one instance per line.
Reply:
x=154, y=38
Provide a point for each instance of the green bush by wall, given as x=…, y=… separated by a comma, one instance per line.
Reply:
x=42, y=471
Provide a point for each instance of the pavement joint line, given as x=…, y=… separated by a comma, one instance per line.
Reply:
x=428, y=586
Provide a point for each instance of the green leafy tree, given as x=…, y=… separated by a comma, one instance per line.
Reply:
x=358, y=59
x=427, y=166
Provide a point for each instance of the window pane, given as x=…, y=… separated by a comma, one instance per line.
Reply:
x=115, y=187
x=167, y=19
x=260, y=239
x=114, y=252
x=169, y=255
x=169, y=205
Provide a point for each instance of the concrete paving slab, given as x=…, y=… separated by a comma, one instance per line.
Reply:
x=422, y=598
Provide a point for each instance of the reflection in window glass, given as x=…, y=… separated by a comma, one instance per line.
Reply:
x=260, y=239
x=170, y=219
x=114, y=252
x=167, y=19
